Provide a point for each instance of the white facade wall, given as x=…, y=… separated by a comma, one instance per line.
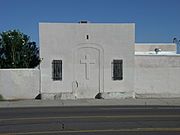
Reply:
x=61, y=41
x=157, y=76
x=19, y=83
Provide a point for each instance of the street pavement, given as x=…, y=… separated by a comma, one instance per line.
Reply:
x=91, y=120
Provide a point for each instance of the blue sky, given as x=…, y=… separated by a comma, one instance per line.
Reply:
x=156, y=20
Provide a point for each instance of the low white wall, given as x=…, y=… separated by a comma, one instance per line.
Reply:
x=19, y=83
x=157, y=76
x=147, y=47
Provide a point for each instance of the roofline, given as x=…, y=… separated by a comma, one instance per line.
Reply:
x=155, y=43
x=91, y=23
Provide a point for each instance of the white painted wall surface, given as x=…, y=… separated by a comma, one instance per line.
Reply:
x=61, y=40
x=157, y=76
x=19, y=83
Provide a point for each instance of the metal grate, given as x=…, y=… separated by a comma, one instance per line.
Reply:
x=57, y=70
x=117, y=69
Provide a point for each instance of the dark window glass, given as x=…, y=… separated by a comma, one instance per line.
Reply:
x=117, y=69
x=57, y=70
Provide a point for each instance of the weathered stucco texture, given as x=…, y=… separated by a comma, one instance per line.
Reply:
x=157, y=76
x=19, y=83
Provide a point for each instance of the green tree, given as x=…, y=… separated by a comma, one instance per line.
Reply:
x=17, y=51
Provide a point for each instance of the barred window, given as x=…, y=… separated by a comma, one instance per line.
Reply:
x=57, y=70
x=117, y=66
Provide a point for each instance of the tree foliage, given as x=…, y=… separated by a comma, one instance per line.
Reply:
x=17, y=51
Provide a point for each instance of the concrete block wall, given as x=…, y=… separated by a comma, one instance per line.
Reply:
x=19, y=83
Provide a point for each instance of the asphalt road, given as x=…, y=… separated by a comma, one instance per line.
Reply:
x=114, y=120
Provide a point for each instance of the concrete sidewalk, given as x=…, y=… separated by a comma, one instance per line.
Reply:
x=90, y=102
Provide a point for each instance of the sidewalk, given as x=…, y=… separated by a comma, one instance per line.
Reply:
x=90, y=102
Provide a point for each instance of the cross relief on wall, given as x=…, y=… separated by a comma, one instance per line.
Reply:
x=87, y=61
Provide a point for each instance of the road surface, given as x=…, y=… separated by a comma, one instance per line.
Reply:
x=103, y=120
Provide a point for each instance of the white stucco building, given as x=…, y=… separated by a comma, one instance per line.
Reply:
x=96, y=60
x=82, y=60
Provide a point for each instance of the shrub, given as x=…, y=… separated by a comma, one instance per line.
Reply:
x=1, y=98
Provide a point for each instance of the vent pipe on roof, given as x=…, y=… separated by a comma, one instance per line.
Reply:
x=177, y=42
x=157, y=50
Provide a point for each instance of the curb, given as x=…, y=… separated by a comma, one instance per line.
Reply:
x=89, y=102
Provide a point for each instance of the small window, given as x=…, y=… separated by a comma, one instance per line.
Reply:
x=117, y=69
x=57, y=70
